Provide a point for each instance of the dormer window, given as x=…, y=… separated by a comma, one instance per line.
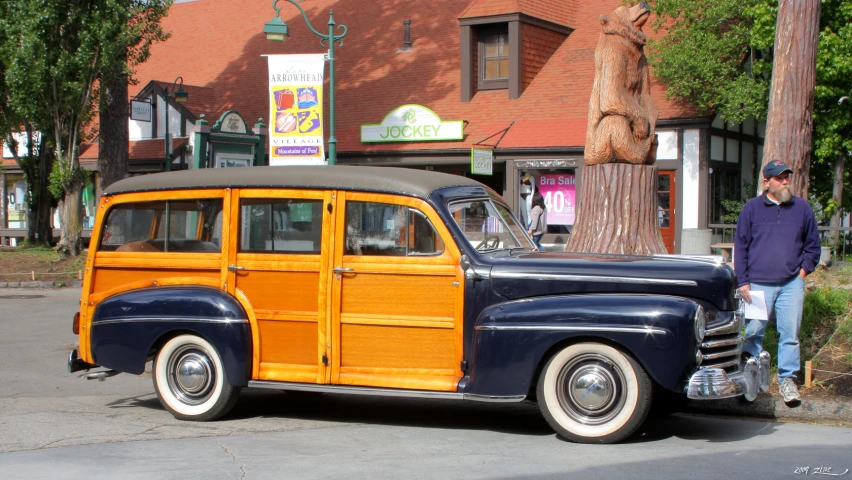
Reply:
x=504, y=51
x=494, y=55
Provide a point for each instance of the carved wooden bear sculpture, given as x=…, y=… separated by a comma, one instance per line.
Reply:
x=621, y=113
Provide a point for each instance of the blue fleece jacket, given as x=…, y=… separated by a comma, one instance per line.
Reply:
x=774, y=241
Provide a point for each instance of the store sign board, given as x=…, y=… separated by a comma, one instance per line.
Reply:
x=412, y=123
x=140, y=110
x=560, y=197
x=481, y=161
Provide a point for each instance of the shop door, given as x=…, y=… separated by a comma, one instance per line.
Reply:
x=279, y=266
x=665, y=207
x=397, y=292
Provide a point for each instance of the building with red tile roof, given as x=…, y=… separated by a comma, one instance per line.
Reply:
x=533, y=118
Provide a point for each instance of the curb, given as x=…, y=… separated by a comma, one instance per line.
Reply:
x=771, y=407
x=73, y=284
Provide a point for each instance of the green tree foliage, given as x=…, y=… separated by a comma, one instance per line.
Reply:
x=717, y=55
x=53, y=53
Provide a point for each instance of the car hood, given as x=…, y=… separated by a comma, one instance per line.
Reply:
x=528, y=274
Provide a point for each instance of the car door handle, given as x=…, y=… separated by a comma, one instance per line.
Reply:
x=234, y=268
x=339, y=270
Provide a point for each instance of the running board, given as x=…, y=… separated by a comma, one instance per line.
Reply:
x=382, y=392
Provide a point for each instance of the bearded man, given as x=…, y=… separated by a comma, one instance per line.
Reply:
x=776, y=246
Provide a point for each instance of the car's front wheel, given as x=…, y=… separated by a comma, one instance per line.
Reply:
x=594, y=393
x=190, y=380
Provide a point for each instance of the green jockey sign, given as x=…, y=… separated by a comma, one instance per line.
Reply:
x=412, y=123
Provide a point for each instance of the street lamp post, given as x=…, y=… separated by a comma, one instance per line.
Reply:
x=180, y=96
x=276, y=29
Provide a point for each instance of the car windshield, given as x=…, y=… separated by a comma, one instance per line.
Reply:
x=488, y=225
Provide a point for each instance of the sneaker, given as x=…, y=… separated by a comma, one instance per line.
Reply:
x=789, y=392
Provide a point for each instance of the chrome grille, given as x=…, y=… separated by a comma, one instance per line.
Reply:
x=723, y=342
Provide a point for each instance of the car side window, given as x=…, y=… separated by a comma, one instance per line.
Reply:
x=163, y=226
x=388, y=230
x=280, y=225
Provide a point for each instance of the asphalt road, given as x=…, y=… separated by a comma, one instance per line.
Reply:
x=55, y=425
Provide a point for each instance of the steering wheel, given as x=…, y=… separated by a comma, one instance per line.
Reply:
x=489, y=243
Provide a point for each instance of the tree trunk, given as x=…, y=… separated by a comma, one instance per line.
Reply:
x=71, y=212
x=617, y=211
x=40, y=200
x=114, y=134
x=837, y=195
x=789, y=124
x=4, y=201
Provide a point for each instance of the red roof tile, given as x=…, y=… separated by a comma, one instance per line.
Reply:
x=218, y=45
x=557, y=11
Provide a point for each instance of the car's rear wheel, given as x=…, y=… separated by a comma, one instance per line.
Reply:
x=190, y=380
x=593, y=393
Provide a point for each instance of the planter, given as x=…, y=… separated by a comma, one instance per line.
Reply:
x=825, y=256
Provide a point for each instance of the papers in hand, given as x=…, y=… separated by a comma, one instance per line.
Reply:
x=756, y=309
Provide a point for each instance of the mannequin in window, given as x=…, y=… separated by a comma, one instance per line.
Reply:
x=538, y=219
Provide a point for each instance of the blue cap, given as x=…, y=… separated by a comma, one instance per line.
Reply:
x=775, y=168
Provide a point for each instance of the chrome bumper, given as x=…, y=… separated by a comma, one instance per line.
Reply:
x=714, y=383
x=75, y=364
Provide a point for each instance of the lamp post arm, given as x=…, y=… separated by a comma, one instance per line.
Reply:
x=323, y=37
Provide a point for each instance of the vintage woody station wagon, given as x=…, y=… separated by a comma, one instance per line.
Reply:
x=385, y=281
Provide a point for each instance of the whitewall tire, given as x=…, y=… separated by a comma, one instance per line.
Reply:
x=593, y=393
x=190, y=380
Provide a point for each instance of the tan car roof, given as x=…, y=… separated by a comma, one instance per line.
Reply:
x=419, y=183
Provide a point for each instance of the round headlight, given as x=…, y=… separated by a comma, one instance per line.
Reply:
x=700, y=323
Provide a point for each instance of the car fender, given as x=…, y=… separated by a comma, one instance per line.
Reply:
x=513, y=339
x=127, y=327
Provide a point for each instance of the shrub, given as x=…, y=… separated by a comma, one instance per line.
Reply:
x=825, y=310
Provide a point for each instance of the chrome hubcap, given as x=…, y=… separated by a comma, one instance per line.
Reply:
x=191, y=375
x=591, y=389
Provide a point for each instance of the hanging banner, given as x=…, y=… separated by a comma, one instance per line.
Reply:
x=295, y=99
x=559, y=192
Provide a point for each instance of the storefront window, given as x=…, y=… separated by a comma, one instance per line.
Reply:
x=558, y=189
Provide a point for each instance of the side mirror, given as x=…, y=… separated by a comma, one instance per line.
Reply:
x=464, y=263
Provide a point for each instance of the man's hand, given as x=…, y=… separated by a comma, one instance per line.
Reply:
x=802, y=273
x=744, y=293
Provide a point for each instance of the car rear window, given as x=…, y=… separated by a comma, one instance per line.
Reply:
x=164, y=226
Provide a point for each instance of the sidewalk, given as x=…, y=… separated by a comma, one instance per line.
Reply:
x=771, y=407
x=40, y=284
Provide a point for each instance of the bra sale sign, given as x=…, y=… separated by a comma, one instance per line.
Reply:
x=560, y=194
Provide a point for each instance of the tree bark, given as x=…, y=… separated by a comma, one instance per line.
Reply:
x=617, y=211
x=789, y=124
x=114, y=134
x=837, y=195
x=71, y=213
x=4, y=201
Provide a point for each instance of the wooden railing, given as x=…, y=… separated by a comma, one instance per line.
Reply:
x=7, y=234
x=723, y=234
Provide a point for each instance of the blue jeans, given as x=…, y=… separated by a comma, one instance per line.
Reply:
x=537, y=241
x=785, y=300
